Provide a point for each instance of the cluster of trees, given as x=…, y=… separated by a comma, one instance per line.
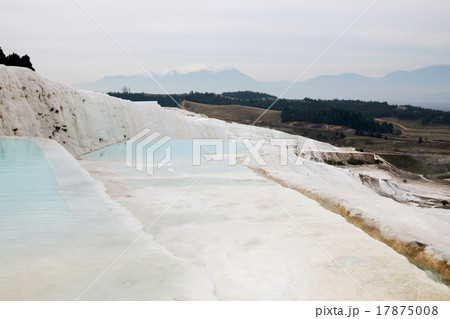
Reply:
x=248, y=95
x=373, y=109
x=261, y=100
x=427, y=116
x=211, y=98
x=162, y=99
x=336, y=116
x=15, y=60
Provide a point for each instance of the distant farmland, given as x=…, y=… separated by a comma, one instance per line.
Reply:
x=237, y=113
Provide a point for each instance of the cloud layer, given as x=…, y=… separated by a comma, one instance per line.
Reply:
x=269, y=40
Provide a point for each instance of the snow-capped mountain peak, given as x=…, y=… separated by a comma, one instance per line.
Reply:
x=194, y=67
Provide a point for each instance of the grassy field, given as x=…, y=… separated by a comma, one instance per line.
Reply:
x=414, y=129
x=393, y=144
x=237, y=113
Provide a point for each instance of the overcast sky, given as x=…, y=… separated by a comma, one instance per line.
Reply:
x=268, y=40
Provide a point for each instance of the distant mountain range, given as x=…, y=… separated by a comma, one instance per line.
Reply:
x=427, y=87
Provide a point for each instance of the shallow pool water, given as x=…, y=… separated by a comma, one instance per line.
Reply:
x=29, y=200
x=59, y=231
x=180, y=166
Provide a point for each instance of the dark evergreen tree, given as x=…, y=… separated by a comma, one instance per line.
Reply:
x=15, y=60
x=2, y=57
x=26, y=62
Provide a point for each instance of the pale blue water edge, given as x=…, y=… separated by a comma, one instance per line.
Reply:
x=180, y=170
x=181, y=157
x=30, y=205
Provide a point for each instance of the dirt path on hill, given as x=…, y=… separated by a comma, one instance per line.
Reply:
x=395, y=123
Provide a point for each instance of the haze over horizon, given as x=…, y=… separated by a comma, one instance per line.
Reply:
x=426, y=87
x=269, y=41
